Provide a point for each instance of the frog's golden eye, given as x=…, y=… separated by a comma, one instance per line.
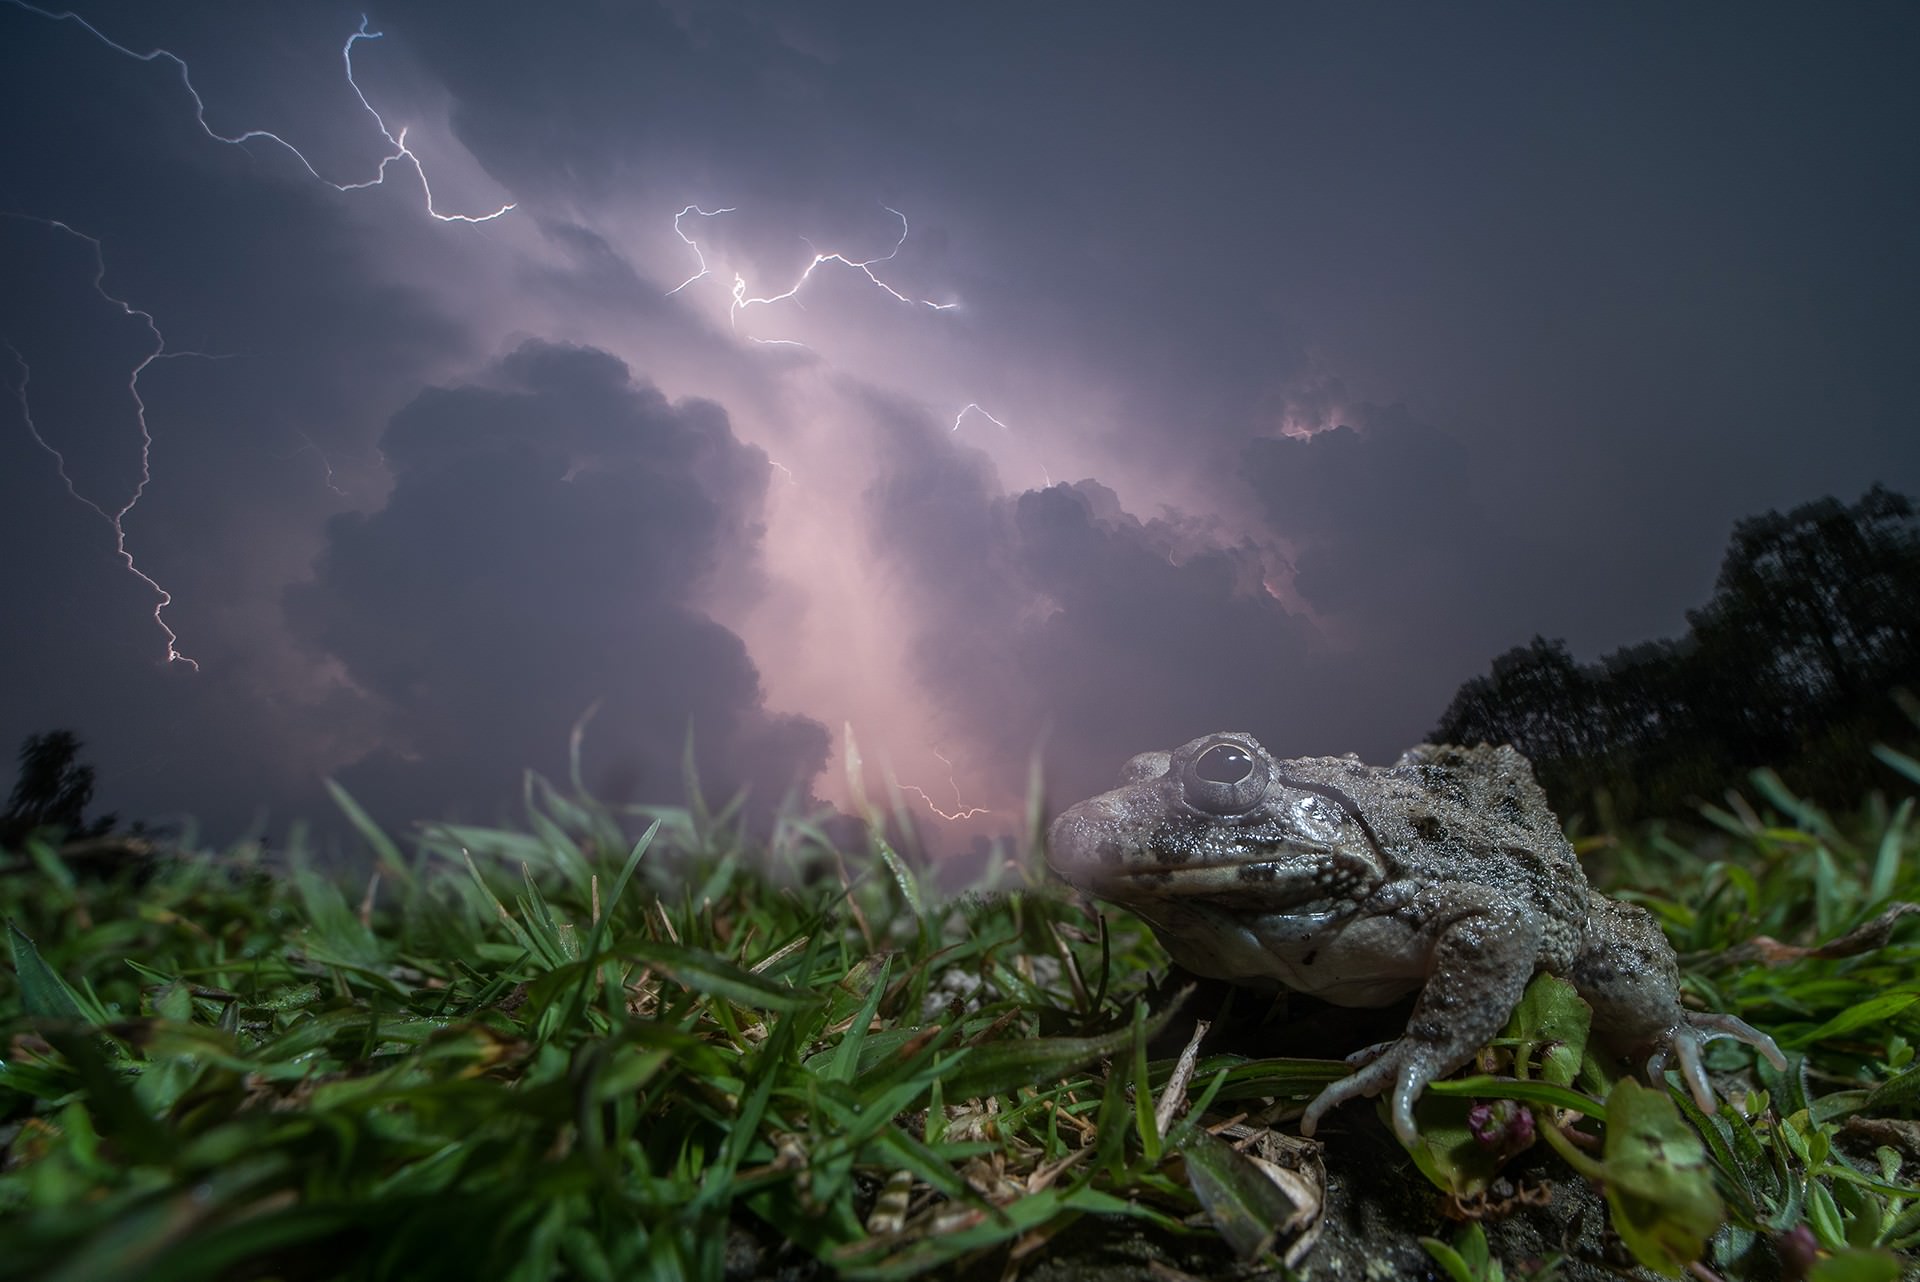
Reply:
x=1224, y=763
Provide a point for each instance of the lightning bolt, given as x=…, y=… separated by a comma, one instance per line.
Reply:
x=396, y=141
x=960, y=809
x=400, y=151
x=693, y=244
x=975, y=407
x=325, y=462
x=743, y=299
x=117, y=517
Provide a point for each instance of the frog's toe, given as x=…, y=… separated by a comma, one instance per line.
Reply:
x=1685, y=1045
x=1699, y=1028
x=1370, y=1080
x=1712, y=1025
x=1367, y=1054
x=1390, y=1064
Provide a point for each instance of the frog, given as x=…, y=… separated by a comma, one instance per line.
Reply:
x=1445, y=874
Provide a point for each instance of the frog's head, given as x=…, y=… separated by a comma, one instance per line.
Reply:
x=1218, y=820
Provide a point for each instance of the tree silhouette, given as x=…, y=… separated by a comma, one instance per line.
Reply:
x=53, y=790
x=1813, y=622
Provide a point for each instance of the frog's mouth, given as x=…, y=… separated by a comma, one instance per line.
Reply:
x=1266, y=884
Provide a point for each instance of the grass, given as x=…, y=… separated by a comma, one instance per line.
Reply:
x=565, y=1053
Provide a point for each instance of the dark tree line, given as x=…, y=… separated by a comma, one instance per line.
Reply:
x=1813, y=624
x=52, y=791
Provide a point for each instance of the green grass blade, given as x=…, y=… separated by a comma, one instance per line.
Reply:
x=391, y=861
x=704, y=973
x=43, y=994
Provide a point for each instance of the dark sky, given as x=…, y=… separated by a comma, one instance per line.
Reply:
x=1268, y=367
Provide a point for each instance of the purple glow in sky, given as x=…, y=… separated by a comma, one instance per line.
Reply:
x=1056, y=378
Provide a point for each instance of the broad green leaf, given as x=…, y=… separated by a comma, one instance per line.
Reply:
x=1446, y=1151
x=1659, y=1183
x=1551, y=1023
x=1824, y=1217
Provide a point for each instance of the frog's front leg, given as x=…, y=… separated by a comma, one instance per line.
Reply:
x=1481, y=950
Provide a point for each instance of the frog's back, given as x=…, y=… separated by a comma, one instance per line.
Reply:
x=1478, y=815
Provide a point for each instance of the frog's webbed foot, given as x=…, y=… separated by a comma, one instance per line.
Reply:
x=1695, y=1030
x=1482, y=956
x=1406, y=1065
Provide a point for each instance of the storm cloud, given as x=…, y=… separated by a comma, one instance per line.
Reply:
x=1274, y=368
x=544, y=551
x=1053, y=621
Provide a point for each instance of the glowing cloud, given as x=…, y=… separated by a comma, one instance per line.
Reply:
x=743, y=298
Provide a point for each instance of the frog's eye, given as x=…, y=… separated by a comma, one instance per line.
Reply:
x=1226, y=763
x=1225, y=778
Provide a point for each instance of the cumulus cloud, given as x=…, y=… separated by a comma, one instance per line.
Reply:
x=1054, y=617
x=1385, y=572
x=1612, y=381
x=551, y=530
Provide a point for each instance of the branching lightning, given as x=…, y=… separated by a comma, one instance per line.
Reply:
x=743, y=298
x=397, y=141
x=960, y=809
x=116, y=517
x=693, y=244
